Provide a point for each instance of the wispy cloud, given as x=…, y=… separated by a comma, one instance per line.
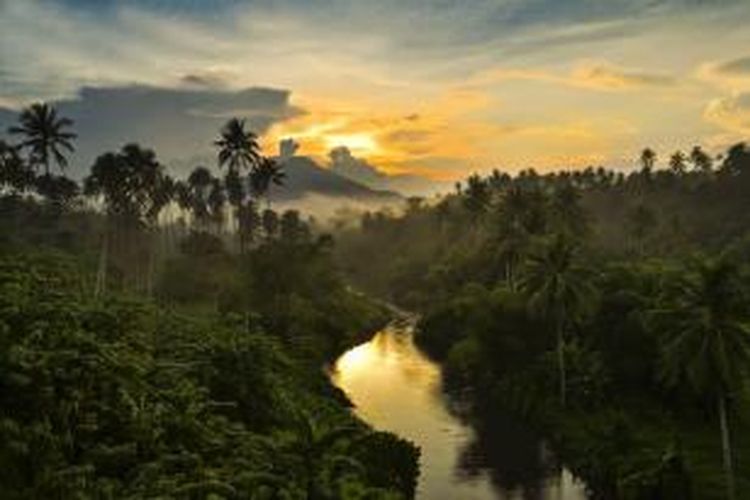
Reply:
x=359, y=67
x=730, y=113
x=590, y=75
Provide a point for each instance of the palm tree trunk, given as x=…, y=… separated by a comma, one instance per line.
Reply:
x=726, y=447
x=561, y=360
x=509, y=274
x=101, y=274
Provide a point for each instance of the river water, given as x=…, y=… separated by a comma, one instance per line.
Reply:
x=394, y=387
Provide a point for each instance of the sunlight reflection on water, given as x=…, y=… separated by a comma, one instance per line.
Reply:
x=394, y=387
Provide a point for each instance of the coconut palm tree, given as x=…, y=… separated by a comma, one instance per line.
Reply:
x=559, y=291
x=238, y=148
x=514, y=228
x=702, y=161
x=199, y=184
x=270, y=223
x=249, y=220
x=266, y=174
x=708, y=341
x=15, y=174
x=216, y=201
x=45, y=135
x=130, y=184
x=648, y=159
x=477, y=197
x=567, y=211
x=678, y=163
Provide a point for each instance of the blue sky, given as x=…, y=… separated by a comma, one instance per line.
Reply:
x=487, y=83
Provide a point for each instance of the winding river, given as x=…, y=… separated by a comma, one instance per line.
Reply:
x=395, y=388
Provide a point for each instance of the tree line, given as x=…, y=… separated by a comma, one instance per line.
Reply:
x=165, y=337
x=609, y=310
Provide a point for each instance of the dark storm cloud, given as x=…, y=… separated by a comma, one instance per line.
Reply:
x=177, y=123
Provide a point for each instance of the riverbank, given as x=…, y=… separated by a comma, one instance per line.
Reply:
x=396, y=388
x=640, y=445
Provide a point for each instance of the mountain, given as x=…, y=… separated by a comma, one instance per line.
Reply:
x=305, y=178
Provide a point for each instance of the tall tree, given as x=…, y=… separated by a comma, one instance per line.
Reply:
x=567, y=212
x=648, y=159
x=520, y=216
x=238, y=148
x=199, y=187
x=559, y=291
x=45, y=135
x=701, y=160
x=476, y=197
x=216, y=201
x=268, y=173
x=678, y=163
x=15, y=174
x=708, y=341
x=130, y=184
x=270, y=222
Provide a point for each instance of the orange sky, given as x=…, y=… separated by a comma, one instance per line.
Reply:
x=433, y=88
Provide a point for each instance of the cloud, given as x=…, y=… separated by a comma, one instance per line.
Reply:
x=735, y=67
x=610, y=77
x=730, y=113
x=600, y=76
x=344, y=163
x=177, y=123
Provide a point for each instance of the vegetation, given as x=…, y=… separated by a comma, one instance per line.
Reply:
x=149, y=348
x=608, y=310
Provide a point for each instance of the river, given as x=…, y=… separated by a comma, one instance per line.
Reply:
x=396, y=388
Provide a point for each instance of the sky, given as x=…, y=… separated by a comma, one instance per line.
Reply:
x=436, y=88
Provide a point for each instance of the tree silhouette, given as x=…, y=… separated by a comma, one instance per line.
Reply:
x=678, y=163
x=266, y=174
x=701, y=161
x=199, y=186
x=270, y=222
x=238, y=148
x=476, y=197
x=648, y=159
x=567, y=211
x=559, y=291
x=216, y=201
x=708, y=344
x=44, y=135
x=14, y=172
x=131, y=185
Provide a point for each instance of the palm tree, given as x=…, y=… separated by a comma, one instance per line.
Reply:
x=642, y=221
x=14, y=172
x=678, y=163
x=559, y=291
x=238, y=148
x=270, y=223
x=648, y=159
x=130, y=184
x=567, y=210
x=515, y=227
x=45, y=135
x=248, y=221
x=199, y=184
x=708, y=341
x=476, y=197
x=266, y=174
x=216, y=200
x=701, y=160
